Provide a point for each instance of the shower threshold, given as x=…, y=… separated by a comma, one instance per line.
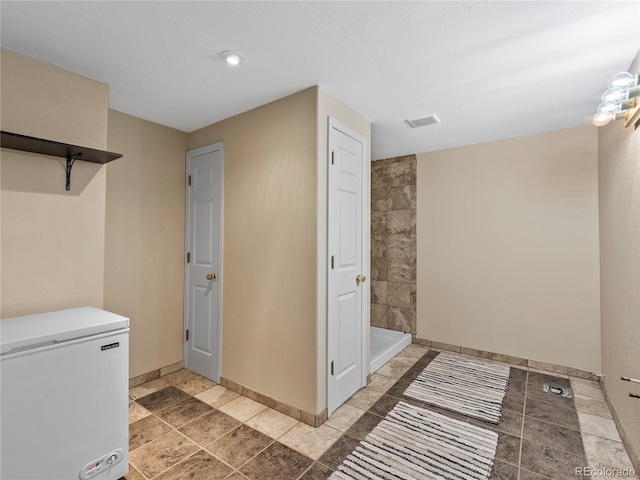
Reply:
x=386, y=344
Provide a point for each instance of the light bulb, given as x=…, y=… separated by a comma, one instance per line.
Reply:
x=601, y=119
x=232, y=58
x=611, y=108
x=614, y=96
x=623, y=80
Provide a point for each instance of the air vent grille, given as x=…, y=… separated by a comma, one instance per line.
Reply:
x=423, y=121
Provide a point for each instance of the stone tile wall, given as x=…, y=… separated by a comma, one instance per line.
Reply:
x=393, y=243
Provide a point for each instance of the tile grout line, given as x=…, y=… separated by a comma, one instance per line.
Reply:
x=273, y=439
x=524, y=411
x=306, y=470
x=174, y=429
x=205, y=448
x=200, y=447
x=150, y=442
x=584, y=446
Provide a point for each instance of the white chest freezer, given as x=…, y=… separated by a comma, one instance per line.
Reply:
x=64, y=380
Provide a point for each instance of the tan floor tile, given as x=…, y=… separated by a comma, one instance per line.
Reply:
x=272, y=423
x=195, y=384
x=549, y=368
x=364, y=399
x=210, y=427
x=178, y=376
x=133, y=474
x=511, y=365
x=344, y=417
x=200, y=465
x=146, y=430
x=586, y=388
x=310, y=441
x=603, y=453
x=161, y=454
x=277, y=462
x=242, y=408
x=549, y=372
x=217, y=396
x=507, y=359
x=602, y=427
x=404, y=359
x=147, y=388
x=236, y=476
x=184, y=412
x=380, y=383
x=239, y=445
x=394, y=368
x=415, y=350
x=137, y=412
x=592, y=406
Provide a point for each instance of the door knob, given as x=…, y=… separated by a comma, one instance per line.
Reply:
x=360, y=279
x=211, y=277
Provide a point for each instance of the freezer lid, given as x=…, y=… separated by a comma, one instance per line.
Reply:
x=23, y=333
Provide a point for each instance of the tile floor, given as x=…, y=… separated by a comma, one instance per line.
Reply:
x=183, y=426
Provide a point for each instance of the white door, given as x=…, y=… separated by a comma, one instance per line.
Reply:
x=348, y=267
x=204, y=261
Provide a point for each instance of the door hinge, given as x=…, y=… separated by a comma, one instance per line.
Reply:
x=187, y=336
x=189, y=180
x=332, y=259
x=332, y=367
x=333, y=157
x=188, y=257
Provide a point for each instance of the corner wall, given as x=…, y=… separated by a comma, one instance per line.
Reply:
x=393, y=244
x=52, y=240
x=269, y=244
x=330, y=106
x=144, y=244
x=619, y=183
x=508, y=258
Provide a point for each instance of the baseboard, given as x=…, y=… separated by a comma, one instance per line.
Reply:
x=633, y=455
x=152, y=375
x=282, y=407
x=516, y=361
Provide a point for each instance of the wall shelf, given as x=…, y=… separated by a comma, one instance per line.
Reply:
x=72, y=153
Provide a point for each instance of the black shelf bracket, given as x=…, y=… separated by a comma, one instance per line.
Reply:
x=24, y=143
x=70, y=161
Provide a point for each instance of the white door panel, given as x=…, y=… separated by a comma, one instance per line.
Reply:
x=204, y=254
x=346, y=320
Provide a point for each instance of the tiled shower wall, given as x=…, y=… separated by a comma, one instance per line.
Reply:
x=393, y=243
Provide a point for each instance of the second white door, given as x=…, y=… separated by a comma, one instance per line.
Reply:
x=204, y=261
x=347, y=265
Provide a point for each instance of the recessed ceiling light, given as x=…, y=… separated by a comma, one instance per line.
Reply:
x=233, y=58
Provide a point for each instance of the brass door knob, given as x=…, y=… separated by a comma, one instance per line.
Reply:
x=211, y=277
x=360, y=279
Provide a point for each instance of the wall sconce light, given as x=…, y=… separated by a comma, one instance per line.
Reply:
x=619, y=101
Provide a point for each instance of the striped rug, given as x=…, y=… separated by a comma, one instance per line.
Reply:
x=462, y=384
x=414, y=443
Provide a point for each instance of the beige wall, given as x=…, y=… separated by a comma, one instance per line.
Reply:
x=269, y=244
x=330, y=106
x=52, y=240
x=144, y=245
x=619, y=182
x=507, y=236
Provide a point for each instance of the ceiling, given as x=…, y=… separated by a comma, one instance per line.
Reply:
x=489, y=70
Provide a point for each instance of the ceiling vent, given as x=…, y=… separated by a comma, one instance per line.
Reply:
x=423, y=121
